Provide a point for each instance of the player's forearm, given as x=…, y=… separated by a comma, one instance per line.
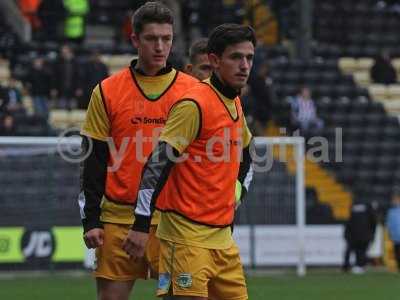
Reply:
x=245, y=171
x=154, y=177
x=93, y=178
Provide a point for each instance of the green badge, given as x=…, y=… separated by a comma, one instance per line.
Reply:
x=184, y=280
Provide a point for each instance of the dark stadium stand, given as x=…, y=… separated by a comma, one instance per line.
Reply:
x=354, y=28
x=371, y=138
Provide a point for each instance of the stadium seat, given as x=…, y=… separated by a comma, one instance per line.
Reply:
x=375, y=107
x=339, y=120
x=293, y=77
x=389, y=148
x=312, y=77
x=393, y=91
x=77, y=117
x=4, y=73
x=369, y=148
x=330, y=77
x=358, y=38
x=367, y=162
x=384, y=177
x=387, y=162
x=362, y=78
x=365, y=176
x=355, y=135
x=374, y=120
x=373, y=134
x=378, y=91
x=359, y=106
x=359, y=92
x=343, y=90
x=354, y=51
x=356, y=120
x=288, y=89
x=348, y=65
x=396, y=64
x=393, y=106
x=59, y=118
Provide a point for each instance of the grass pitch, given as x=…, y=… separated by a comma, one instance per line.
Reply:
x=315, y=286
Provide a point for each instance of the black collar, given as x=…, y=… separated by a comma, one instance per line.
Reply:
x=163, y=71
x=225, y=90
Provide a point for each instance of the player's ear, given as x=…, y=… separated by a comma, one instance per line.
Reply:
x=214, y=60
x=135, y=40
x=188, y=68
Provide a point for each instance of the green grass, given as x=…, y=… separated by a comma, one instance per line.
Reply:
x=316, y=286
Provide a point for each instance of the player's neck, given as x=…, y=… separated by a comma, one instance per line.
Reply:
x=146, y=69
x=225, y=89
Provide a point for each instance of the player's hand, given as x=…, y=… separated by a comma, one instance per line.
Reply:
x=135, y=244
x=94, y=238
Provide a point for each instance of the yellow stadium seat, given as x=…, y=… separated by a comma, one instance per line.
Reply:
x=396, y=64
x=394, y=91
x=59, y=118
x=362, y=78
x=105, y=58
x=393, y=107
x=77, y=117
x=364, y=64
x=4, y=73
x=347, y=64
x=378, y=91
x=121, y=60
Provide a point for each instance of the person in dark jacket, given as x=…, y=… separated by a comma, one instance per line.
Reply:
x=359, y=232
x=264, y=95
x=383, y=71
x=7, y=121
x=393, y=224
x=38, y=84
x=95, y=72
x=67, y=84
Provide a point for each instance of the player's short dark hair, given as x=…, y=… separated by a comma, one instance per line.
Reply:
x=229, y=34
x=197, y=48
x=151, y=12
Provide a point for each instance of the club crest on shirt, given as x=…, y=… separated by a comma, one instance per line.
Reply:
x=184, y=280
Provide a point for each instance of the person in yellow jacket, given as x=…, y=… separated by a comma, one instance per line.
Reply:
x=75, y=19
x=196, y=165
x=125, y=115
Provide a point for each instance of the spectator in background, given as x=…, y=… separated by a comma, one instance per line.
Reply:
x=7, y=125
x=7, y=122
x=29, y=9
x=199, y=66
x=246, y=98
x=263, y=95
x=317, y=212
x=95, y=72
x=14, y=103
x=304, y=114
x=38, y=84
x=393, y=224
x=383, y=71
x=67, y=79
x=51, y=14
x=359, y=233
